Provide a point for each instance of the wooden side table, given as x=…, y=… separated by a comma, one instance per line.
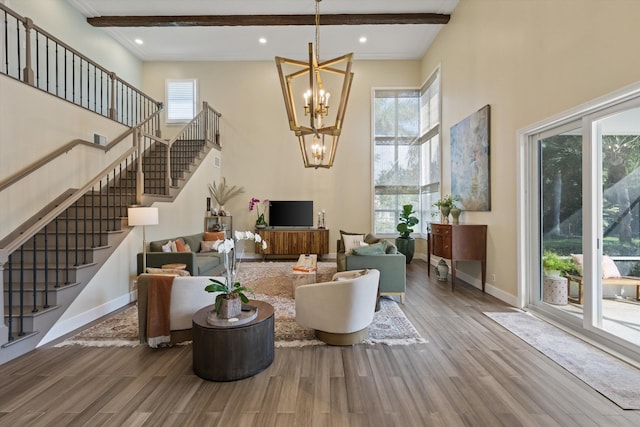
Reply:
x=459, y=242
x=232, y=353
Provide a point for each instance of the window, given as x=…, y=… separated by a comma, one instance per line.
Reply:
x=406, y=163
x=181, y=100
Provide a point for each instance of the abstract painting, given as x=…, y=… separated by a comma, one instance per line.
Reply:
x=470, y=171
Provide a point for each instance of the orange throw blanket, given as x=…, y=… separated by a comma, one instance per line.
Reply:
x=158, y=306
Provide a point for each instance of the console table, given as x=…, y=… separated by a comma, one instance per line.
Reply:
x=283, y=241
x=459, y=242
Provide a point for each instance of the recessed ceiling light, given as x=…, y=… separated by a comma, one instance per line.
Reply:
x=262, y=40
x=363, y=39
x=139, y=41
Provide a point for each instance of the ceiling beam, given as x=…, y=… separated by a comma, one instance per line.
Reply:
x=268, y=20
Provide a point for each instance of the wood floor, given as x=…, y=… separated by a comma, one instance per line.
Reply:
x=471, y=372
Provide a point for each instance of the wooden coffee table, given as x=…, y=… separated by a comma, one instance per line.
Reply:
x=304, y=272
x=228, y=353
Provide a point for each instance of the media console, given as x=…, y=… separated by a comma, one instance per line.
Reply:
x=292, y=241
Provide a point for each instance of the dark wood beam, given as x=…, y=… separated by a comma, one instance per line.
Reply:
x=268, y=20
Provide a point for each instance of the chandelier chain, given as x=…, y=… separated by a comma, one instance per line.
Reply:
x=318, y=31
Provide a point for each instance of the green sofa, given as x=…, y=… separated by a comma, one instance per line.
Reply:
x=198, y=263
x=391, y=264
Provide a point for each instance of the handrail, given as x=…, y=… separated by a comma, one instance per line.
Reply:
x=63, y=150
x=58, y=210
x=68, y=74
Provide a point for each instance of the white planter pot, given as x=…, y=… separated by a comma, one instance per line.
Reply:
x=555, y=290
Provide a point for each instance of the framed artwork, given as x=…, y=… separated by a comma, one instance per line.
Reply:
x=470, y=172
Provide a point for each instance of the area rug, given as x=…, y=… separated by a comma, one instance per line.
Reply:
x=271, y=282
x=611, y=377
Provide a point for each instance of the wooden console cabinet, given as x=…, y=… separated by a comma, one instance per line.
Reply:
x=294, y=242
x=459, y=242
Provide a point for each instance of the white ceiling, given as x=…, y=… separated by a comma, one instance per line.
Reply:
x=241, y=43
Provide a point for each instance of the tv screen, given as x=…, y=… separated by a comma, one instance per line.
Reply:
x=291, y=213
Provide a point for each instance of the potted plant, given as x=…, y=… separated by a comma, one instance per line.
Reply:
x=446, y=205
x=405, y=243
x=231, y=294
x=555, y=266
x=255, y=204
x=554, y=285
x=222, y=194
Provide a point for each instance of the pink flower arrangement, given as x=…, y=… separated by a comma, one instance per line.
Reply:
x=255, y=204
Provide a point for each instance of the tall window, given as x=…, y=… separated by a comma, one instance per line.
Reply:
x=181, y=100
x=396, y=162
x=406, y=162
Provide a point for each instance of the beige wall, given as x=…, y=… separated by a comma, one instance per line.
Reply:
x=528, y=59
x=261, y=154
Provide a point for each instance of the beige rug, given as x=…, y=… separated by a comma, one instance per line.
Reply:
x=271, y=282
x=609, y=376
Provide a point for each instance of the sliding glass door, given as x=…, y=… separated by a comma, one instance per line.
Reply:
x=579, y=216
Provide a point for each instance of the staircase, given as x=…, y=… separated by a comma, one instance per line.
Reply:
x=45, y=274
x=47, y=261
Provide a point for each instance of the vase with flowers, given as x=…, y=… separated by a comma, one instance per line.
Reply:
x=254, y=204
x=231, y=294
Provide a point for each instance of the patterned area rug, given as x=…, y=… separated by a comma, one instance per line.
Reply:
x=271, y=282
x=609, y=376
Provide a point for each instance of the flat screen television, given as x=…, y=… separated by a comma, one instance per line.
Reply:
x=291, y=213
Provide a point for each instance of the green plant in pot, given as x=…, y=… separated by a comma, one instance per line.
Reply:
x=553, y=265
x=405, y=243
x=447, y=205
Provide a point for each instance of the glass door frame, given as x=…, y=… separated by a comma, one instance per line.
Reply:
x=528, y=208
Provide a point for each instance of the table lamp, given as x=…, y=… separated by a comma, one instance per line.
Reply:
x=142, y=215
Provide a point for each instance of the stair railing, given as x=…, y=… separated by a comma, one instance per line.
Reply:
x=203, y=129
x=32, y=55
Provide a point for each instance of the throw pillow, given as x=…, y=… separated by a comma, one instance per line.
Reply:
x=352, y=241
x=173, y=271
x=210, y=245
x=609, y=268
x=180, y=246
x=170, y=246
x=214, y=235
x=343, y=276
x=373, y=249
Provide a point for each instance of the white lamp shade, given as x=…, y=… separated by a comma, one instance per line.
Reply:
x=143, y=216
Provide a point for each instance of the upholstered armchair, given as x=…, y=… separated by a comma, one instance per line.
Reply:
x=341, y=310
x=187, y=297
x=377, y=253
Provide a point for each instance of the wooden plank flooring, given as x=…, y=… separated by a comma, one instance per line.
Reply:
x=472, y=372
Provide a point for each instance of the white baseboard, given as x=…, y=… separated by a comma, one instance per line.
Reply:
x=69, y=325
x=477, y=283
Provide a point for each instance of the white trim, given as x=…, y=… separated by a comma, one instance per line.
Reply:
x=78, y=321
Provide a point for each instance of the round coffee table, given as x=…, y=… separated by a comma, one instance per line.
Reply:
x=228, y=353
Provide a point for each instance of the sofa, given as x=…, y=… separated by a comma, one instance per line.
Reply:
x=366, y=251
x=340, y=310
x=187, y=297
x=199, y=263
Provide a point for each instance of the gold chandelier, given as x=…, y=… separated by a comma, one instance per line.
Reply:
x=319, y=139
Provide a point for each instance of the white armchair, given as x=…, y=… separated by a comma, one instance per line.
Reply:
x=341, y=310
x=187, y=297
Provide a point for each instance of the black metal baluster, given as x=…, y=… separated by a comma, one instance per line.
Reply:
x=35, y=275
x=93, y=217
x=107, y=190
x=57, y=72
x=38, y=61
x=57, y=252
x=84, y=228
x=100, y=212
x=76, y=227
x=21, y=308
x=18, y=48
x=10, y=295
x=46, y=266
x=66, y=248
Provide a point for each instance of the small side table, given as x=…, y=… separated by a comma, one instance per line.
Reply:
x=228, y=353
x=306, y=275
